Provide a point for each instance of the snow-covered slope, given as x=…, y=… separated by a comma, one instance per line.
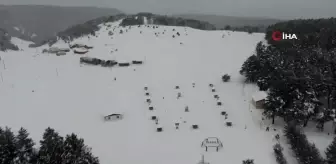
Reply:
x=40, y=90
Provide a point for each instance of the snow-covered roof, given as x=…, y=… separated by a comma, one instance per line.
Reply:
x=260, y=95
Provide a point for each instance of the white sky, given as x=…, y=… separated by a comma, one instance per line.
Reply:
x=285, y=9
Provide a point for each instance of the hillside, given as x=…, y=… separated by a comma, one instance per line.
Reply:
x=222, y=21
x=40, y=90
x=37, y=22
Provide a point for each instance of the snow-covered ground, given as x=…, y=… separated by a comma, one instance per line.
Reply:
x=40, y=90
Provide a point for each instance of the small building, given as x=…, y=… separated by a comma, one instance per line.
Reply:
x=258, y=99
x=60, y=53
x=113, y=117
x=53, y=50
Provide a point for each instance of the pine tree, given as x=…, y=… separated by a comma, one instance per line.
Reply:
x=331, y=152
x=303, y=150
x=251, y=69
x=280, y=158
x=75, y=151
x=24, y=147
x=52, y=148
x=274, y=104
x=7, y=146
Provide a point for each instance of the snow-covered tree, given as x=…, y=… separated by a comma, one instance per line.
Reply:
x=24, y=147
x=52, y=148
x=274, y=104
x=75, y=151
x=7, y=146
x=280, y=158
x=304, y=151
x=331, y=152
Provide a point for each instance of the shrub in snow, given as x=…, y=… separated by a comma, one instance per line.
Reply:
x=280, y=158
x=248, y=161
x=226, y=78
x=195, y=126
x=228, y=123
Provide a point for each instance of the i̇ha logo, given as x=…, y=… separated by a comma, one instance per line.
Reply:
x=277, y=36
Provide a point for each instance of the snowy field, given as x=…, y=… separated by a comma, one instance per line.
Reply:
x=40, y=90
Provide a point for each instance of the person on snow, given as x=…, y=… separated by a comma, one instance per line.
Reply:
x=186, y=109
x=179, y=95
x=177, y=125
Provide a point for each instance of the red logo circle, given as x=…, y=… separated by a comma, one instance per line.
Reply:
x=277, y=35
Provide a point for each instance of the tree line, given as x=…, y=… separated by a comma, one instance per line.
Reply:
x=54, y=149
x=303, y=150
x=299, y=75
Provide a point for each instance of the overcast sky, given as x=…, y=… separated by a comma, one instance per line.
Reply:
x=285, y=9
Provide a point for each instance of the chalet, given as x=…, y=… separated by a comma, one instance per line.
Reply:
x=258, y=99
x=113, y=117
x=80, y=51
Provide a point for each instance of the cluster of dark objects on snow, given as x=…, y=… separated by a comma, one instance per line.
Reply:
x=20, y=148
x=106, y=63
x=219, y=103
x=151, y=108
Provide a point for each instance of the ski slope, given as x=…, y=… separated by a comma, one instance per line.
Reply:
x=40, y=90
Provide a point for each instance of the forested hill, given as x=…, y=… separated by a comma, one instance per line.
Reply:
x=312, y=33
x=300, y=75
